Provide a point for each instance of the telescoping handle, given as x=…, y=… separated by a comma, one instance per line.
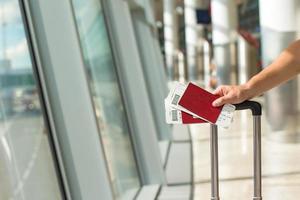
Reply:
x=214, y=161
x=255, y=107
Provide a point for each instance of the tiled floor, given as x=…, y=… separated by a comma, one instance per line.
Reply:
x=281, y=162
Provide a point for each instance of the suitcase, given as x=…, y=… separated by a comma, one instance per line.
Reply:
x=255, y=107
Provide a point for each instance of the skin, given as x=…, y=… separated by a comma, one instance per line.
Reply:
x=285, y=67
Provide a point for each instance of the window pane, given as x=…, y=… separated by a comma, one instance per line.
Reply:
x=26, y=166
x=106, y=96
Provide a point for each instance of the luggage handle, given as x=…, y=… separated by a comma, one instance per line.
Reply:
x=254, y=106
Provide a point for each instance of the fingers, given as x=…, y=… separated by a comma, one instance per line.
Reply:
x=218, y=102
x=229, y=94
x=221, y=101
x=218, y=91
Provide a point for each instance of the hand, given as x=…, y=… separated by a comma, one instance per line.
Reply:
x=232, y=94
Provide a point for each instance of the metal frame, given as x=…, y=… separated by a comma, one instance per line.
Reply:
x=43, y=97
x=214, y=162
x=257, y=158
x=133, y=85
x=257, y=182
x=61, y=69
x=122, y=98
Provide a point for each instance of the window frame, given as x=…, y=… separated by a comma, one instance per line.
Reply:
x=136, y=98
x=68, y=127
x=122, y=95
x=55, y=155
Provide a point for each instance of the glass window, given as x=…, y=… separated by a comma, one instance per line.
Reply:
x=106, y=96
x=27, y=169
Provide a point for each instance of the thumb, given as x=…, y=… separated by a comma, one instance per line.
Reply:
x=221, y=101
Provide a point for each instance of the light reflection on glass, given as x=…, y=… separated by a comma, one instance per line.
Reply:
x=106, y=97
x=26, y=165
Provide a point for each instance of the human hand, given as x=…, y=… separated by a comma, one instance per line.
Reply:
x=232, y=94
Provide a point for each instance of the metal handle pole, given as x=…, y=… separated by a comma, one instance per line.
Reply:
x=214, y=162
x=257, y=157
x=255, y=107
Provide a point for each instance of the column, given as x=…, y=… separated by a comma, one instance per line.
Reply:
x=278, y=21
x=193, y=33
x=170, y=36
x=224, y=23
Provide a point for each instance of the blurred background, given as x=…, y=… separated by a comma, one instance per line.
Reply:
x=82, y=88
x=227, y=42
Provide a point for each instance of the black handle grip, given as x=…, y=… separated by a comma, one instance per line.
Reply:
x=254, y=106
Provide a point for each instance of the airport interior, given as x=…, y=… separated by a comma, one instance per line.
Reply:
x=82, y=90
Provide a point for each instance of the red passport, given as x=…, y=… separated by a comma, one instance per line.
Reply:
x=199, y=101
x=189, y=119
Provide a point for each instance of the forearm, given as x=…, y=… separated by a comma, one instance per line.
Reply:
x=285, y=67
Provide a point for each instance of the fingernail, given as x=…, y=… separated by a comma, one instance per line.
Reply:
x=215, y=104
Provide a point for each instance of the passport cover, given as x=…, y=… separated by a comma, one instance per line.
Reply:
x=199, y=101
x=189, y=119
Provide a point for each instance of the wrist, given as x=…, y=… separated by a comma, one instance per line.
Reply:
x=248, y=90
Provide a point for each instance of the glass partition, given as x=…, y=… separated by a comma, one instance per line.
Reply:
x=27, y=169
x=106, y=94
